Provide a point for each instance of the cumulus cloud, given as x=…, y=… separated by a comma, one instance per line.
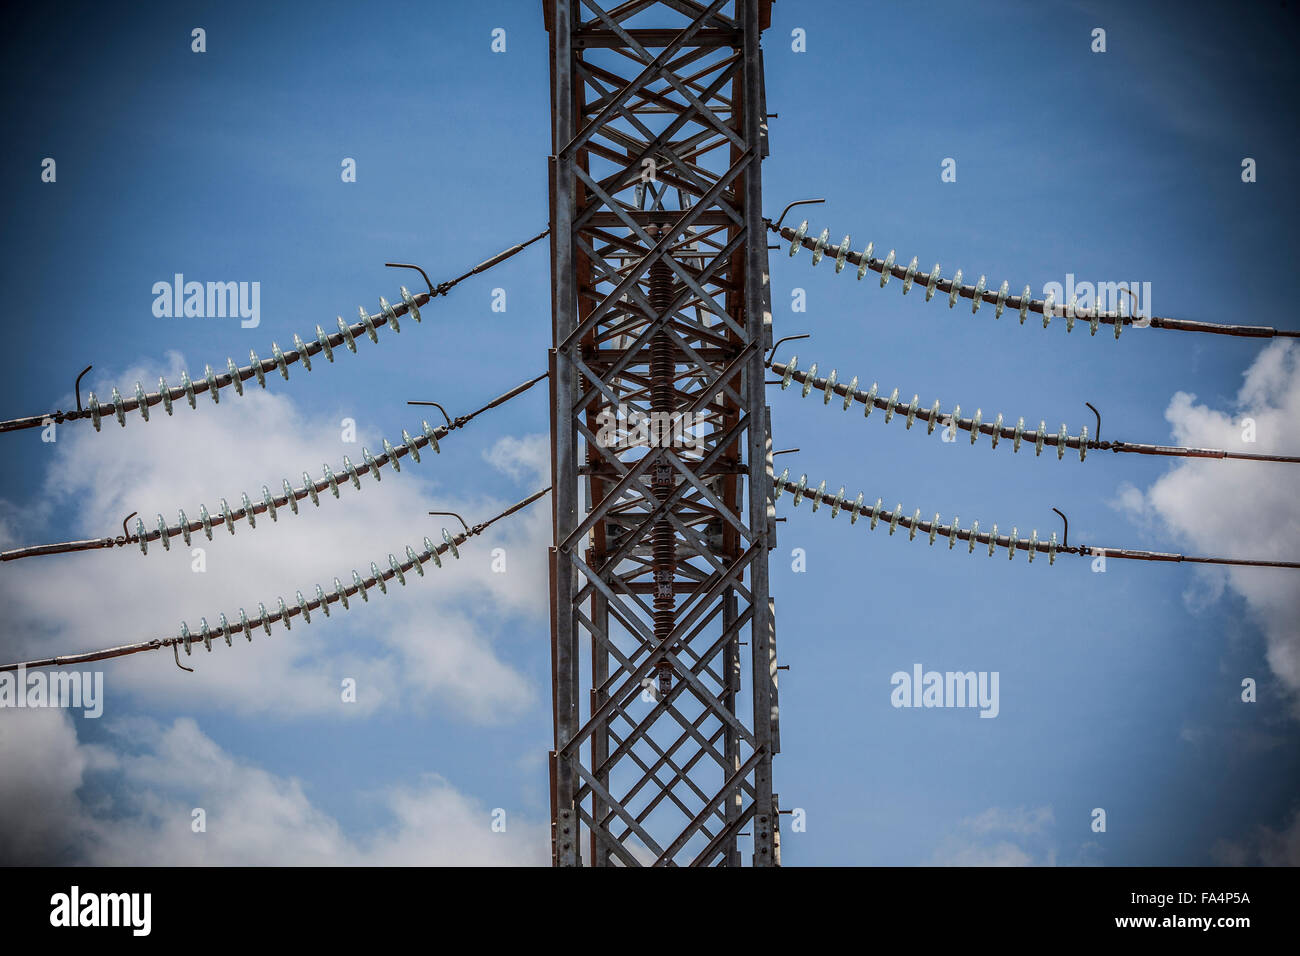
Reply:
x=1239, y=508
x=430, y=643
x=1019, y=821
x=1264, y=846
x=130, y=803
x=1000, y=837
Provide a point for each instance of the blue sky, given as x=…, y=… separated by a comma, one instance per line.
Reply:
x=1118, y=690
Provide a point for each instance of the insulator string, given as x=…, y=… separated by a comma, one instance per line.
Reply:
x=283, y=613
x=980, y=293
x=934, y=529
x=269, y=504
x=997, y=430
x=212, y=382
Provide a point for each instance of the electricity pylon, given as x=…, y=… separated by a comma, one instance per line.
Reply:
x=660, y=449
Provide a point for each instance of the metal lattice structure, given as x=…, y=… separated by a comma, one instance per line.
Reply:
x=664, y=496
x=660, y=450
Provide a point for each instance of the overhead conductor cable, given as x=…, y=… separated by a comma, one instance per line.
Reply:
x=267, y=503
x=301, y=606
x=952, y=533
x=1022, y=304
x=1039, y=437
x=280, y=360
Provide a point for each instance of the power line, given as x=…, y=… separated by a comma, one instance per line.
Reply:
x=211, y=382
x=979, y=293
x=268, y=504
x=976, y=426
x=284, y=612
x=953, y=532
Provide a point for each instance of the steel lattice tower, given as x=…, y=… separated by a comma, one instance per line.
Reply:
x=661, y=456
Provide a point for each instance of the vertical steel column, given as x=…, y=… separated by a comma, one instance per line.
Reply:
x=564, y=496
x=731, y=744
x=761, y=506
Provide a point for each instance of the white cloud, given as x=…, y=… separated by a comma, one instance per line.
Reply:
x=431, y=642
x=522, y=457
x=1019, y=820
x=1263, y=847
x=1000, y=837
x=956, y=853
x=152, y=777
x=1240, y=508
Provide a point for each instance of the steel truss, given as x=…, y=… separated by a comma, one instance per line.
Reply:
x=661, y=320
